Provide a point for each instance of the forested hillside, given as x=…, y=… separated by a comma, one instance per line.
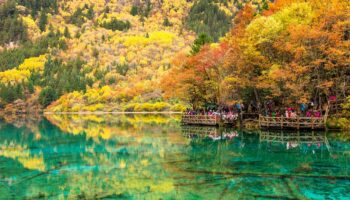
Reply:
x=150, y=55
x=63, y=55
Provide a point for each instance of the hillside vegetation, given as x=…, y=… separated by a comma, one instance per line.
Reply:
x=145, y=55
x=101, y=55
x=293, y=53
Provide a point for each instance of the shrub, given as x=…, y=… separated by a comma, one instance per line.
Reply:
x=161, y=106
x=178, y=108
x=333, y=123
x=129, y=108
x=94, y=108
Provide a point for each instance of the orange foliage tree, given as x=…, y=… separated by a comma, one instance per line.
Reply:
x=296, y=52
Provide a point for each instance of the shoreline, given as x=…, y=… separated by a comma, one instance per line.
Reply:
x=104, y=113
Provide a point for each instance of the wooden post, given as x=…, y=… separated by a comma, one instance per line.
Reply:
x=298, y=122
x=259, y=121
x=282, y=122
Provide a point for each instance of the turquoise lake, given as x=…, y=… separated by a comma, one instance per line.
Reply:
x=154, y=157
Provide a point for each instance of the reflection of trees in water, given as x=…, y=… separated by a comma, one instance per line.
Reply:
x=151, y=161
x=292, y=140
x=266, y=152
x=106, y=126
x=127, y=165
x=22, y=120
x=343, y=136
x=306, y=142
x=209, y=132
x=263, y=159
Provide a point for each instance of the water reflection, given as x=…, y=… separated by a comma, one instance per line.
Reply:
x=153, y=157
x=214, y=133
x=291, y=140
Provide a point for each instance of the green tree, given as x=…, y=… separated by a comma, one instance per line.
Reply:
x=116, y=24
x=47, y=95
x=77, y=34
x=43, y=21
x=12, y=28
x=134, y=10
x=265, y=5
x=122, y=69
x=107, y=9
x=78, y=17
x=166, y=22
x=66, y=32
x=60, y=78
x=7, y=94
x=13, y=57
x=201, y=40
x=95, y=53
x=206, y=17
x=90, y=13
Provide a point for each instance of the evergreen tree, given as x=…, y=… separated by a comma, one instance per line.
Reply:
x=107, y=10
x=116, y=24
x=19, y=91
x=199, y=42
x=95, y=53
x=14, y=57
x=47, y=95
x=134, y=10
x=7, y=93
x=66, y=32
x=206, y=17
x=60, y=78
x=58, y=33
x=55, y=6
x=90, y=13
x=265, y=5
x=77, y=34
x=31, y=87
x=166, y=22
x=12, y=28
x=43, y=21
x=122, y=69
x=78, y=17
x=148, y=8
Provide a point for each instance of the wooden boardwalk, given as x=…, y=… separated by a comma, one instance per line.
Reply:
x=298, y=123
x=207, y=120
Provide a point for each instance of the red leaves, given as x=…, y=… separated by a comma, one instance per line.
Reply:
x=301, y=57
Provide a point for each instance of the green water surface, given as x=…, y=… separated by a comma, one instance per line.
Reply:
x=153, y=157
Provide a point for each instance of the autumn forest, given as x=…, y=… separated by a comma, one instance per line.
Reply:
x=148, y=55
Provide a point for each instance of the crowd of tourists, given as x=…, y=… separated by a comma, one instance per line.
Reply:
x=269, y=109
x=305, y=110
x=225, y=114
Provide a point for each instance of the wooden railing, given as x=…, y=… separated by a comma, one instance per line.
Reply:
x=294, y=123
x=211, y=120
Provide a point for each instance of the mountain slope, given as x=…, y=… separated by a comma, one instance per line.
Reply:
x=101, y=55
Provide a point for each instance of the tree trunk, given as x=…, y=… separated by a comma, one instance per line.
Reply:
x=258, y=103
